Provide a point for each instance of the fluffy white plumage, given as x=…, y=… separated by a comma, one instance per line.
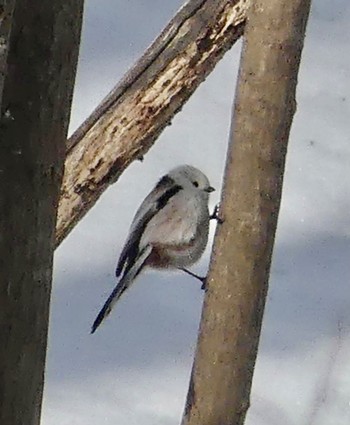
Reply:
x=169, y=230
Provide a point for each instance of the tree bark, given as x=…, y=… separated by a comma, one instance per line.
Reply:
x=36, y=98
x=6, y=12
x=238, y=278
x=129, y=120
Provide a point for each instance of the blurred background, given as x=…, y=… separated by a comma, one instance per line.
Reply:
x=136, y=368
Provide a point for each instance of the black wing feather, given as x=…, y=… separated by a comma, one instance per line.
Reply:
x=122, y=285
x=131, y=249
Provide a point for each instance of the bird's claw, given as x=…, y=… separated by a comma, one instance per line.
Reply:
x=202, y=279
x=216, y=214
x=204, y=286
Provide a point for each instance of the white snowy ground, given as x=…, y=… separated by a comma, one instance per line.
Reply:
x=135, y=369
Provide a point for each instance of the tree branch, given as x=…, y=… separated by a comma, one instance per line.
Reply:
x=38, y=88
x=126, y=124
x=238, y=278
x=6, y=12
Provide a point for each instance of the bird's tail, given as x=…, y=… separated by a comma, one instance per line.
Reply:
x=122, y=285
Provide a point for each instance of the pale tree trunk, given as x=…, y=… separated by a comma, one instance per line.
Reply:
x=35, y=112
x=6, y=12
x=238, y=277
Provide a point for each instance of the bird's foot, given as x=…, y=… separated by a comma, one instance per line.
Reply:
x=216, y=214
x=203, y=279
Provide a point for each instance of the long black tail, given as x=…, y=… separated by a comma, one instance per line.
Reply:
x=122, y=285
x=107, y=307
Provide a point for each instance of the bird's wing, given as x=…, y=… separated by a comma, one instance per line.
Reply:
x=155, y=201
x=122, y=285
x=176, y=223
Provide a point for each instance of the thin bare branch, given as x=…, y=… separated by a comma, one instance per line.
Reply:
x=129, y=120
x=238, y=278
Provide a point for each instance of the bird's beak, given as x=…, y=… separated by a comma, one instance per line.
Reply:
x=209, y=189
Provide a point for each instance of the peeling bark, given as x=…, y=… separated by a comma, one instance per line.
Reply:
x=128, y=121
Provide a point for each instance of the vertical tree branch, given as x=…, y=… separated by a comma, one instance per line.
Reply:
x=37, y=97
x=238, y=278
x=6, y=12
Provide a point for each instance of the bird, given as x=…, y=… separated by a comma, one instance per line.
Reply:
x=169, y=230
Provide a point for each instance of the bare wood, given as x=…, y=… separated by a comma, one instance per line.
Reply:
x=6, y=12
x=129, y=120
x=37, y=96
x=238, y=278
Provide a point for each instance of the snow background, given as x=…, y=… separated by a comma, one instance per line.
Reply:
x=136, y=368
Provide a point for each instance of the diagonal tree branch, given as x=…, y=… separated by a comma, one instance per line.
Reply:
x=126, y=124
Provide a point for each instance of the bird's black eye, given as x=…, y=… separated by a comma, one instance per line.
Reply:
x=195, y=184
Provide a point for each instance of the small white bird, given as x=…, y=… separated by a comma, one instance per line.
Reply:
x=169, y=230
